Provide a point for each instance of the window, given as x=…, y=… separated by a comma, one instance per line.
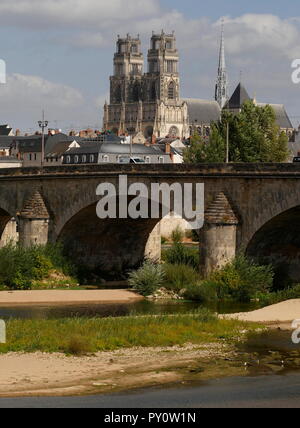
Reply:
x=134, y=49
x=153, y=67
x=76, y=159
x=84, y=159
x=161, y=160
x=169, y=45
x=105, y=159
x=171, y=67
x=92, y=159
x=68, y=159
x=135, y=69
x=148, y=160
x=35, y=156
x=171, y=91
x=30, y=156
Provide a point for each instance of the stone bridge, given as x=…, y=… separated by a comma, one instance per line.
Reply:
x=249, y=207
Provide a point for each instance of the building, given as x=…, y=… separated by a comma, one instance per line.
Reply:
x=10, y=162
x=104, y=153
x=146, y=103
x=149, y=104
x=240, y=96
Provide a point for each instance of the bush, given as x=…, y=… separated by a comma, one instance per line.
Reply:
x=241, y=280
x=266, y=299
x=149, y=278
x=177, y=235
x=180, y=277
x=179, y=254
x=20, y=267
x=203, y=293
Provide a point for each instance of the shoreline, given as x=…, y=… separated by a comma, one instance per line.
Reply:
x=281, y=313
x=67, y=297
x=40, y=374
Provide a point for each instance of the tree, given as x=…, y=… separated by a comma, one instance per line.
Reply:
x=254, y=136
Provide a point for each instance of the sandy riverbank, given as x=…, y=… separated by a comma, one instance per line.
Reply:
x=66, y=297
x=284, y=312
x=56, y=374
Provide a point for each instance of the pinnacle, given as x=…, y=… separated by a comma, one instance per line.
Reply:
x=221, y=212
x=35, y=208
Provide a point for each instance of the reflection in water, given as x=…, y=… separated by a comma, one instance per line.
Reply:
x=113, y=310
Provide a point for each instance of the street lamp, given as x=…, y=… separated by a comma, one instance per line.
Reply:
x=43, y=124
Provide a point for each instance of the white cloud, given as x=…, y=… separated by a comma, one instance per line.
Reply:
x=25, y=96
x=78, y=13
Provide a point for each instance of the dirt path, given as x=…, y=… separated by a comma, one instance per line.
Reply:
x=66, y=297
x=56, y=374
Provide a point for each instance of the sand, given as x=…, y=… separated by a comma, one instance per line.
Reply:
x=284, y=312
x=41, y=374
x=66, y=297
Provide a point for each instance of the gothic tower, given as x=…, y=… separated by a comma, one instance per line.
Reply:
x=125, y=84
x=162, y=80
x=221, y=95
x=149, y=103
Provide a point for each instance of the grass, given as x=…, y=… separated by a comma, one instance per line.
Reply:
x=81, y=335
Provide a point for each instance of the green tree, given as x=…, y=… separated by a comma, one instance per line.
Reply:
x=254, y=136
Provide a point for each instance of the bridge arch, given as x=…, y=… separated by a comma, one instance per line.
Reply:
x=109, y=247
x=278, y=242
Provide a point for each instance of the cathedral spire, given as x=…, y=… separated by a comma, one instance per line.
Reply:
x=222, y=83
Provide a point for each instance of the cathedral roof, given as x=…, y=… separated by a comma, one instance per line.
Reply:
x=238, y=98
x=203, y=111
x=282, y=117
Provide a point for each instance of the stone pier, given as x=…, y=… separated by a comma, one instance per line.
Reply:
x=34, y=222
x=219, y=235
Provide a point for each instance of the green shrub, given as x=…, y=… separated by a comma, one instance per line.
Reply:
x=179, y=254
x=266, y=299
x=241, y=280
x=20, y=267
x=179, y=277
x=177, y=235
x=202, y=292
x=149, y=278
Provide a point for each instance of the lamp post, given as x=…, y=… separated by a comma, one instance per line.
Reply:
x=43, y=124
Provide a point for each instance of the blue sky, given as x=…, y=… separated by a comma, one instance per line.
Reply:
x=59, y=54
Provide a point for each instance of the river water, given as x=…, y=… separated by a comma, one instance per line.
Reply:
x=114, y=310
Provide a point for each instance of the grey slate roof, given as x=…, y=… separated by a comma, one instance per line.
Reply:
x=115, y=148
x=203, y=111
x=59, y=149
x=238, y=98
x=282, y=118
x=5, y=130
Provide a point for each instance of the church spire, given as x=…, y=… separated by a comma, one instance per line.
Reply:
x=222, y=83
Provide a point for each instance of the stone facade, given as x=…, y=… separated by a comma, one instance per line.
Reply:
x=147, y=103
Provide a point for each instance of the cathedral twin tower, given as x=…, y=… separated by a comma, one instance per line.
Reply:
x=146, y=104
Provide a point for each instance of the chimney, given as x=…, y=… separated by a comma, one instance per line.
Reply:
x=168, y=148
x=18, y=132
x=153, y=139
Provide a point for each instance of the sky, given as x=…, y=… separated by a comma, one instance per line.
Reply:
x=59, y=53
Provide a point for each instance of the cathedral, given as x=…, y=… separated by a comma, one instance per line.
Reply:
x=147, y=104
